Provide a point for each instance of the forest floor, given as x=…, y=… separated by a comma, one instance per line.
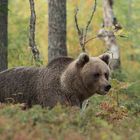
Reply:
x=115, y=116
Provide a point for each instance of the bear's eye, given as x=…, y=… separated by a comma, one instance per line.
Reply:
x=96, y=75
x=106, y=76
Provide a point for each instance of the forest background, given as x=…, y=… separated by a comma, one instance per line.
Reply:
x=115, y=116
x=127, y=13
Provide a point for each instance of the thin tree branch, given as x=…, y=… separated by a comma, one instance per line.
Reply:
x=89, y=21
x=32, y=42
x=76, y=21
x=83, y=33
x=91, y=39
x=80, y=32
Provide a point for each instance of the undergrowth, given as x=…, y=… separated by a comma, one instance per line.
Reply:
x=115, y=116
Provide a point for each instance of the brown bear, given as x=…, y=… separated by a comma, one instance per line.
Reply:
x=64, y=80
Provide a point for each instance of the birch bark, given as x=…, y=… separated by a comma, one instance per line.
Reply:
x=107, y=35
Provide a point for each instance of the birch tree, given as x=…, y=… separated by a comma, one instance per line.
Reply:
x=107, y=34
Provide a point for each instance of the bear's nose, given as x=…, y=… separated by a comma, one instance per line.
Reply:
x=107, y=88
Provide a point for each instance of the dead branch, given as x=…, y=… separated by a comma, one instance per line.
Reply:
x=89, y=22
x=83, y=33
x=76, y=21
x=32, y=42
x=101, y=36
x=91, y=39
x=80, y=32
x=116, y=24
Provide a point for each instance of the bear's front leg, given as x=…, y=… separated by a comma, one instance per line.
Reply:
x=75, y=101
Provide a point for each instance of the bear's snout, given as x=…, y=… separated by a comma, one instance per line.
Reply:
x=107, y=88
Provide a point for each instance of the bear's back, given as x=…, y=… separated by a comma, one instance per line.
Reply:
x=18, y=83
x=60, y=61
x=49, y=88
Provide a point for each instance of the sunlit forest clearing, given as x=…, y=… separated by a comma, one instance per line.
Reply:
x=115, y=116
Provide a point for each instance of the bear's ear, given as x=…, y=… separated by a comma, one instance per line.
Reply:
x=106, y=58
x=82, y=59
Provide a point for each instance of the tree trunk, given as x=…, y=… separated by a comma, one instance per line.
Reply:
x=57, y=29
x=108, y=35
x=3, y=34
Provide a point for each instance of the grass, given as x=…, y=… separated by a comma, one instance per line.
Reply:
x=103, y=119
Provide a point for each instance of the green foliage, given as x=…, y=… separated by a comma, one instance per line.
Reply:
x=119, y=74
x=134, y=89
x=103, y=119
x=18, y=49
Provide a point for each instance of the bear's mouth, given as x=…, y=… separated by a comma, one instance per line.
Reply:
x=102, y=92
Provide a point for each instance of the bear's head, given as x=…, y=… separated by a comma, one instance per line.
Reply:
x=88, y=75
x=95, y=73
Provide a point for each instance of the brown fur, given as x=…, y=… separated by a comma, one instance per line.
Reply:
x=64, y=80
